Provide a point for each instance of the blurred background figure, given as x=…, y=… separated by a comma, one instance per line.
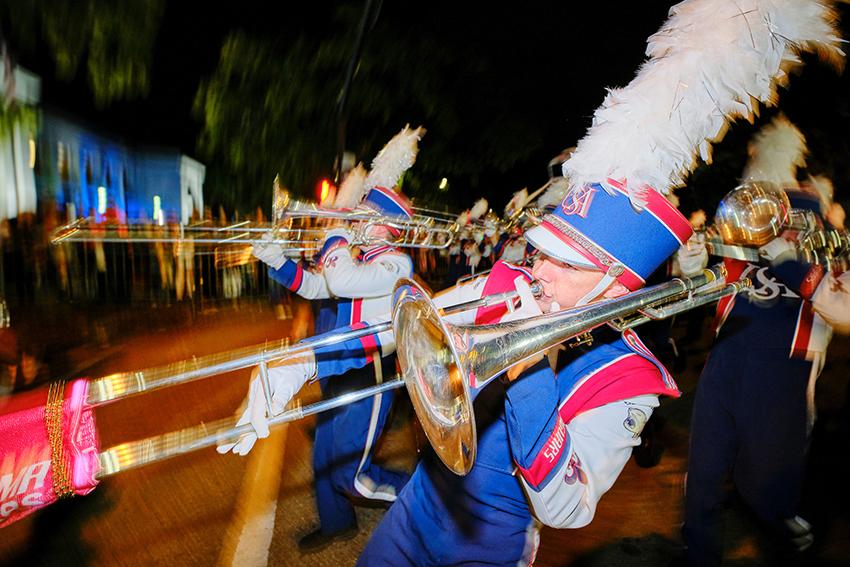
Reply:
x=754, y=404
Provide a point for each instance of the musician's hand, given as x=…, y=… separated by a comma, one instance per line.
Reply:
x=285, y=380
x=528, y=306
x=245, y=442
x=269, y=252
x=778, y=250
x=693, y=255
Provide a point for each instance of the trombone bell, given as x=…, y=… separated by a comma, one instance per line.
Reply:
x=437, y=384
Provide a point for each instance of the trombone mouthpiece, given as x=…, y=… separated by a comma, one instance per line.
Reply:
x=536, y=289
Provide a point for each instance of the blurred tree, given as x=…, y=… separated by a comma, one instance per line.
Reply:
x=270, y=107
x=114, y=39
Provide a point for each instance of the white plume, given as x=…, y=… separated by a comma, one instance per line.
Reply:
x=395, y=158
x=352, y=188
x=708, y=64
x=776, y=152
x=463, y=218
x=479, y=209
x=517, y=202
x=822, y=185
x=555, y=193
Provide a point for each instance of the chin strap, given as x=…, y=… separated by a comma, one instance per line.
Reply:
x=610, y=277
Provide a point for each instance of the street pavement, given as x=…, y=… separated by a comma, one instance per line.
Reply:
x=211, y=509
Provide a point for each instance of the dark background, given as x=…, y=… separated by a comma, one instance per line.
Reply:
x=540, y=70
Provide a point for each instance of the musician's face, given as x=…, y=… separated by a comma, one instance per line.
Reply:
x=564, y=284
x=379, y=232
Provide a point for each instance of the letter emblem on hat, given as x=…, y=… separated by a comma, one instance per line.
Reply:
x=577, y=201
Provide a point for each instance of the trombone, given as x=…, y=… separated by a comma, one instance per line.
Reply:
x=298, y=227
x=754, y=213
x=443, y=367
x=437, y=360
x=133, y=454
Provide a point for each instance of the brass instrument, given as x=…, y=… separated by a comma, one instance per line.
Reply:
x=753, y=214
x=437, y=360
x=298, y=227
x=445, y=365
x=133, y=454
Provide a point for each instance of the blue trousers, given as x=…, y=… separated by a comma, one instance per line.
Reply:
x=342, y=452
x=749, y=420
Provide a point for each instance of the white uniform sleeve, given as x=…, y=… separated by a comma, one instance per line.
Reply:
x=345, y=278
x=313, y=286
x=305, y=283
x=831, y=301
x=601, y=442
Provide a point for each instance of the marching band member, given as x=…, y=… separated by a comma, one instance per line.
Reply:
x=362, y=285
x=753, y=412
x=569, y=431
x=566, y=435
x=552, y=442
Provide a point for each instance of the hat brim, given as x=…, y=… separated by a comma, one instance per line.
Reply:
x=541, y=238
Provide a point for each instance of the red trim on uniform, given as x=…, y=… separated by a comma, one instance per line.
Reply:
x=662, y=209
x=630, y=376
x=803, y=332
x=812, y=280
x=633, y=340
x=395, y=197
x=734, y=270
x=339, y=242
x=369, y=342
x=500, y=280
x=298, y=279
x=370, y=255
x=628, y=278
x=627, y=377
x=549, y=456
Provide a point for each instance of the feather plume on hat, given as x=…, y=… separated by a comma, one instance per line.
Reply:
x=554, y=194
x=395, y=158
x=708, y=65
x=776, y=152
x=463, y=218
x=352, y=189
x=822, y=185
x=479, y=209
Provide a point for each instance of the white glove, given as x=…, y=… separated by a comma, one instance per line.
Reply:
x=693, y=255
x=528, y=306
x=778, y=250
x=269, y=252
x=285, y=381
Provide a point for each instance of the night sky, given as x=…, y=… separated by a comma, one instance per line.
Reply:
x=557, y=58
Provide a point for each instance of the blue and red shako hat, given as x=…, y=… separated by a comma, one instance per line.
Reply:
x=803, y=199
x=387, y=202
x=596, y=226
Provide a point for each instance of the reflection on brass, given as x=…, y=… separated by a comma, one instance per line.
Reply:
x=752, y=214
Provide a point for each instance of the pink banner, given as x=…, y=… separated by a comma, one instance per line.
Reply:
x=48, y=449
